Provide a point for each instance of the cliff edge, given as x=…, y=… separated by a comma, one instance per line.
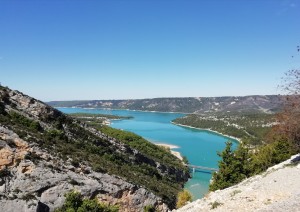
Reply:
x=277, y=189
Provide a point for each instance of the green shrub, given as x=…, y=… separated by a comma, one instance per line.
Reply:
x=28, y=197
x=75, y=202
x=183, y=198
x=149, y=208
x=240, y=164
x=270, y=155
x=2, y=108
x=215, y=204
x=33, y=157
x=26, y=122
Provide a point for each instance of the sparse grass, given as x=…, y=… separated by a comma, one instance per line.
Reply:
x=235, y=192
x=33, y=157
x=267, y=172
x=149, y=208
x=27, y=197
x=183, y=198
x=215, y=204
x=267, y=202
x=291, y=164
x=17, y=190
x=74, y=182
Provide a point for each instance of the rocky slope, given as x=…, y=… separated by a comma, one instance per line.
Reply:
x=258, y=103
x=275, y=190
x=27, y=181
x=45, y=154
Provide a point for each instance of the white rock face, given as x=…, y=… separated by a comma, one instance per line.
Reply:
x=278, y=189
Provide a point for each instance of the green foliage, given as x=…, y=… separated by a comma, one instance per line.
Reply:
x=33, y=157
x=252, y=128
x=270, y=155
x=184, y=105
x=137, y=142
x=27, y=197
x=235, y=192
x=185, y=160
x=75, y=202
x=183, y=198
x=2, y=108
x=215, y=204
x=26, y=122
x=95, y=120
x=233, y=167
x=55, y=134
x=241, y=163
x=149, y=208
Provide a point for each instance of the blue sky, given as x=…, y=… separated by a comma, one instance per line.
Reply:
x=109, y=49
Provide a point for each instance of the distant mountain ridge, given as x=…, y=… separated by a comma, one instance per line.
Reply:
x=254, y=103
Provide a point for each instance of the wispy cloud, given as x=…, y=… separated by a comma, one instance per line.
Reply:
x=287, y=5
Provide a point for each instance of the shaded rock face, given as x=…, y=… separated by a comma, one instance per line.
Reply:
x=35, y=185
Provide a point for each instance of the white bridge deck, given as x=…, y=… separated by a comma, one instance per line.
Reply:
x=202, y=168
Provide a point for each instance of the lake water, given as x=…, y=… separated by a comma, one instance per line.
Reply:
x=200, y=147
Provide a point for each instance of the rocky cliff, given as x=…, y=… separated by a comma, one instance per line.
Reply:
x=277, y=189
x=45, y=154
x=41, y=177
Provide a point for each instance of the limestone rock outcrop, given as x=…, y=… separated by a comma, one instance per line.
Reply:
x=47, y=179
x=37, y=170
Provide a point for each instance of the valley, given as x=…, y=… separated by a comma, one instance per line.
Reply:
x=42, y=146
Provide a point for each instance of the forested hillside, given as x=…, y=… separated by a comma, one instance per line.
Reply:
x=262, y=104
x=247, y=127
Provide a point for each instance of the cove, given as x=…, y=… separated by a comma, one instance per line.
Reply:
x=199, y=146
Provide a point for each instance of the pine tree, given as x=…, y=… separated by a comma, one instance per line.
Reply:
x=233, y=167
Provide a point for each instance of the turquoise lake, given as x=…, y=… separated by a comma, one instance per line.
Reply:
x=199, y=146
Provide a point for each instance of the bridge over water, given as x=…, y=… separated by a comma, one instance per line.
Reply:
x=201, y=168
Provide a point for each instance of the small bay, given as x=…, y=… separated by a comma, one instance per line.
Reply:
x=199, y=146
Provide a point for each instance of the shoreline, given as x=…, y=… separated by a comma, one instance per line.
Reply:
x=171, y=146
x=103, y=108
x=209, y=130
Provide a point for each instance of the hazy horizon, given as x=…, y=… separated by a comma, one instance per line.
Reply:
x=160, y=98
